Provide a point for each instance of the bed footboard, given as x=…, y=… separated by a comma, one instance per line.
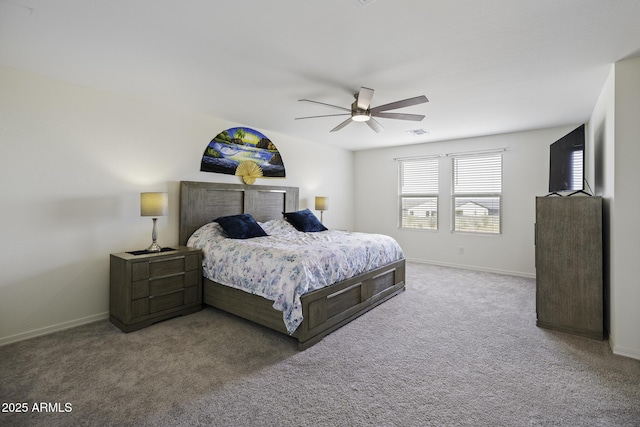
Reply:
x=327, y=309
x=324, y=310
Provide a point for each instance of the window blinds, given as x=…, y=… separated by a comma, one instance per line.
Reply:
x=419, y=193
x=477, y=193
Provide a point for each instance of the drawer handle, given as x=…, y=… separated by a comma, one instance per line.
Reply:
x=166, y=293
x=338, y=293
x=167, y=259
x=166, y=275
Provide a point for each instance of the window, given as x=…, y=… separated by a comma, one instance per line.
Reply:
x=419, y=193
x=577, y=166
x=477, y=193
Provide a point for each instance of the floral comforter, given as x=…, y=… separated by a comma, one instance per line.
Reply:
x=288, y=263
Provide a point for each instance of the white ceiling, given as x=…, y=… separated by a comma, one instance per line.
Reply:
x=487, y=67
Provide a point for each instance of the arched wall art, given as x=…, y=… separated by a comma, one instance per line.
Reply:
x=244, y=152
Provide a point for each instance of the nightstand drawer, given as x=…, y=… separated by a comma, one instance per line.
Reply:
x=165, y=302
x=166, y=284
x=166, y=267
x=145, y=288
x=192, y=262
x=191, y=294
x=139, y=271
x=145, y=306
x=140, y=289
x=139, y=308
x=192, y=278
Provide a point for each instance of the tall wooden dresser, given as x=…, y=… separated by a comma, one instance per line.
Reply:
x=148, y=288
x=569, y=278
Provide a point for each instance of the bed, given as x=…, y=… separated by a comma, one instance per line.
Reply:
x=323, y=310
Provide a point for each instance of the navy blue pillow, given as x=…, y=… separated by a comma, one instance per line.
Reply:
x=304, y=221
x=241, y=226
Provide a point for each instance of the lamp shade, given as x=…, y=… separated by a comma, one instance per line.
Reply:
x=154, y=204
x=322, y=203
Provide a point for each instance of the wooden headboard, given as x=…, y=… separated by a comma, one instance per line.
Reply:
x=202, y=202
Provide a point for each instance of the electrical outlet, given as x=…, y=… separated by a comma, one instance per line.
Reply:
x=461, y=250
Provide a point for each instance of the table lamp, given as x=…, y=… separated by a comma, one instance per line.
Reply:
x=322, y=204
x=154, y=205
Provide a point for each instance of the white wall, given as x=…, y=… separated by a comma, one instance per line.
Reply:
x=525, y=176
x=602, y=137
x=615, y=132
x=625, y=321
x=73, y=163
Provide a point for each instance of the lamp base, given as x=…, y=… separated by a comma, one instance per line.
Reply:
x=154, y=247
x=154, y=236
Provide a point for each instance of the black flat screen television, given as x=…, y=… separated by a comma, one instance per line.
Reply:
x=566, y=168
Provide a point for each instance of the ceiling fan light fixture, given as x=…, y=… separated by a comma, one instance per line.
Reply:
x=361, y=110
x=360, y=117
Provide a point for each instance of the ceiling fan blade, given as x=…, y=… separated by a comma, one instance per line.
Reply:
x=373, y=124
x=400, y=104
x=364, y=98
x=325, y=115
x=323, y=103
x=341, y=125
x=399, y=116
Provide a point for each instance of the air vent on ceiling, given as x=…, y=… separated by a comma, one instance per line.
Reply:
x=366, y=2
x=417, y=132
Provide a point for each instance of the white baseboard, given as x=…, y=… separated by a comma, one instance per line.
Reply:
x=472, y=267
x=53, y=328
x=626, y=352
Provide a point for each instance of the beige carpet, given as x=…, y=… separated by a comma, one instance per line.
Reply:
x=457, y=348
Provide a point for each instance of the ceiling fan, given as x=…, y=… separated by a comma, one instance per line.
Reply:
x=361, y=110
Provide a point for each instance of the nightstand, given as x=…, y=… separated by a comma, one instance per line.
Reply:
x=145, y=289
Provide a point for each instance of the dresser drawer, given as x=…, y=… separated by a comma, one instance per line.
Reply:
x=165, y=302
x=192, y=278
x=139, y=308
x=139, y=271
x=166, y=284
x=166, y=267
x=191, y=294
x=192, y=262
x=140, y=289
x=145, y=306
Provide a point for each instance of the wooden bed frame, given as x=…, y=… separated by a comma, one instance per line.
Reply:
x=324, y=310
